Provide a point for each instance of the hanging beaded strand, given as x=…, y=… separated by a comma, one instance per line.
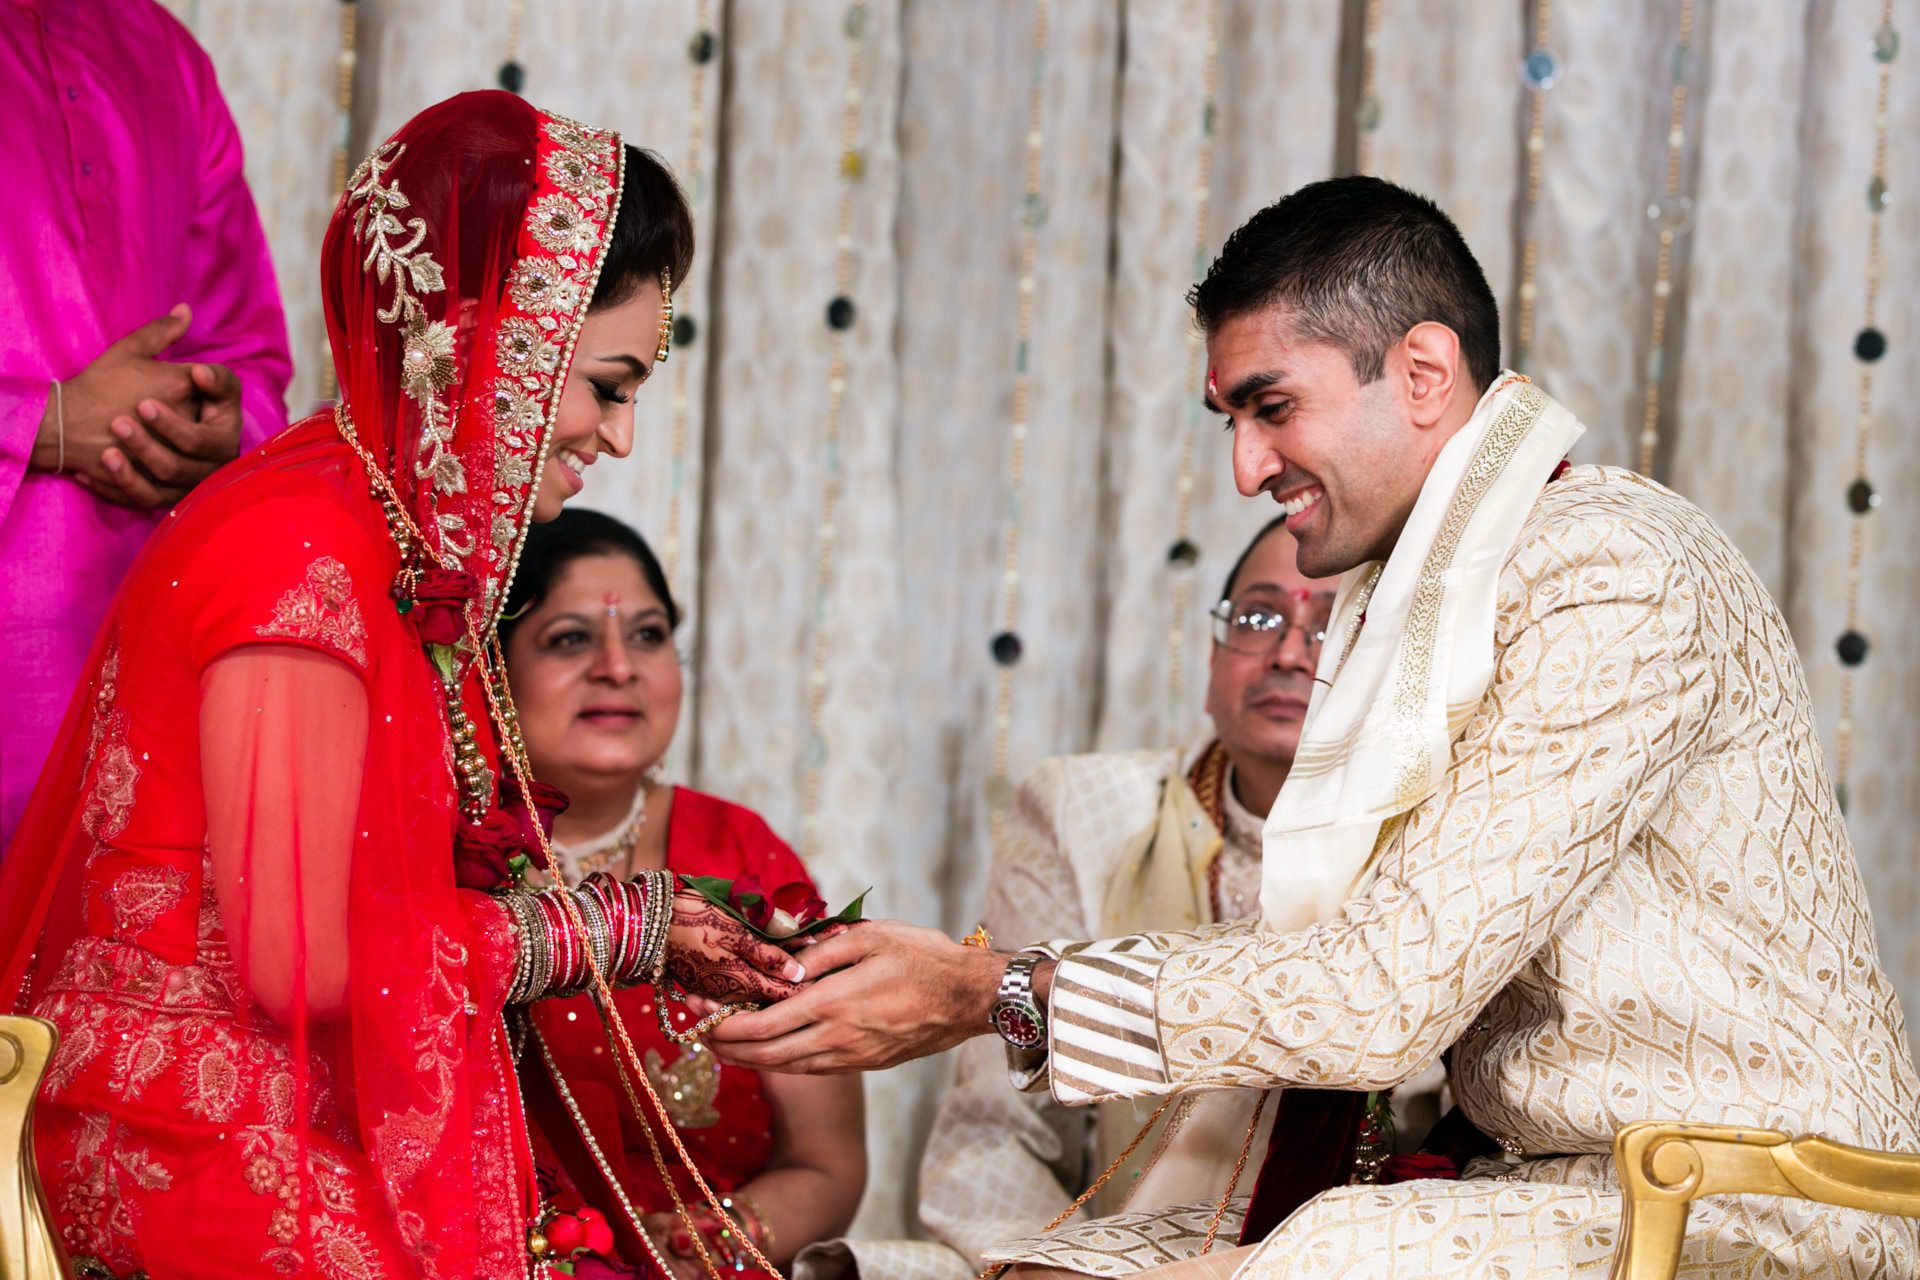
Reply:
x=1366, y=114
x=840, y=316
x=1540, y=70
x=470, y=764
x=1006, y=646
x=1672, y=218
x=626, y=1058
x=701, y=50
x=1183, y=555
x=342, y=143
x=513, y=73
x=1869, y=345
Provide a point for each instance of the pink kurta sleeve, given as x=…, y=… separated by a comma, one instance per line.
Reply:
x=23, y=402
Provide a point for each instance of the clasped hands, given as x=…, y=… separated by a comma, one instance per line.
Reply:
x=854, y=998
x=140, y=431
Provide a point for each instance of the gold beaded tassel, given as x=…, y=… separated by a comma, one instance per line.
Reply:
x=342, y=142
x=1540, y=71
x=1672, y=217
x=841, y=315
x=1183, y=555
x=1006, y=646
x=1366, y=116
x=1869, y=345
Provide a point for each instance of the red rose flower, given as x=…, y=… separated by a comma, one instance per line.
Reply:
x=750, y=900
x=481, y=850
x=1421, y=1164
x=440, y=598
x=795, y=906
x=549, y=802
x=599, y=1235
x=565, y=1232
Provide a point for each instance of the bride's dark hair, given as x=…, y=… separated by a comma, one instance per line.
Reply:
x=652, y=231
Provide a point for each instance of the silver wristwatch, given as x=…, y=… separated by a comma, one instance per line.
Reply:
x=1015, y=1014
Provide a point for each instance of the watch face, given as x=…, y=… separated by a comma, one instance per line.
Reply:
x=1017, y=1025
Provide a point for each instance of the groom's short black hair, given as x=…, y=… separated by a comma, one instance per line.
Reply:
x=1357, y=262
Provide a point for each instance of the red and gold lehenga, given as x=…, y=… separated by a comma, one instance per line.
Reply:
x=282, y=1046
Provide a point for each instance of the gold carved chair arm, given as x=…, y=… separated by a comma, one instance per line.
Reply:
x=1665, y=1166
x=28, y=1248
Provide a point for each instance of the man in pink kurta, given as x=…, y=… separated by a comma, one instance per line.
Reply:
x=125, y=199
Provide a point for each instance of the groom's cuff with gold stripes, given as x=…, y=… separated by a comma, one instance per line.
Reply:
x=1103, y=1039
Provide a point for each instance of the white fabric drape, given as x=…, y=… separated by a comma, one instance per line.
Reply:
x=1759, y=380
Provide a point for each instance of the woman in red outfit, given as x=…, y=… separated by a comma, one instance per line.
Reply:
x=590, y=649
x=239, y=890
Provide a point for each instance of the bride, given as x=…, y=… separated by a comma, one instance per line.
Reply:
x=248, y=889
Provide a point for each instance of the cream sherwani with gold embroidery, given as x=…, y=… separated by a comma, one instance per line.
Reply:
x=1630, y=896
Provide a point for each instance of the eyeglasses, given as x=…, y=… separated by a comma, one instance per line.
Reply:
x=1258, y=628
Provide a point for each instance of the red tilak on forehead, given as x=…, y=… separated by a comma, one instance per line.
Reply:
x=613, y=605
x=1213, y=381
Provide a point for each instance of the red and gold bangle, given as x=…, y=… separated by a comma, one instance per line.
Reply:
x=569, y=958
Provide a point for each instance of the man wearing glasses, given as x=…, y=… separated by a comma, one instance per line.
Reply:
x=1099, y=845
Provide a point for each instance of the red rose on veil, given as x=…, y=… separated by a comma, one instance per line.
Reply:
x=440, y=598
x=482, y=850
x=549, y=802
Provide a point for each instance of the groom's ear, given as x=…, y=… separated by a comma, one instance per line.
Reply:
x=1429, y=370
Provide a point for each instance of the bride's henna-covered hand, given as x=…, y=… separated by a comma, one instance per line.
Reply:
x=714, y=955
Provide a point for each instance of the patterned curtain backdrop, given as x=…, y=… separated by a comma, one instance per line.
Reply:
x=848, y=654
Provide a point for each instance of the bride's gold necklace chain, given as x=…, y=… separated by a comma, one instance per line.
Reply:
x=411, y=542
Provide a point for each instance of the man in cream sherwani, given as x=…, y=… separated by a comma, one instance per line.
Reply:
x=1117, y=842
x=1560, y=806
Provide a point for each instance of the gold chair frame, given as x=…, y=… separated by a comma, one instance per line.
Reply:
x=1665, y=1166
x=28, y=1248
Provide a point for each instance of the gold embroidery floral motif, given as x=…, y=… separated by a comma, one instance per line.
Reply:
x=569, y=220
x=109, y=758
x=322, y=609
x=100, y=1220
x=406, y=1141
x=140, y=896
x=688, y=1087
x=427, y=364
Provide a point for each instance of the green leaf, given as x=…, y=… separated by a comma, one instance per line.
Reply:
x=719, y=891
x=445, y=660
x=563, y=1265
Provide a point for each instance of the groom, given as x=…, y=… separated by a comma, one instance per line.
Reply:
x=1559, y=807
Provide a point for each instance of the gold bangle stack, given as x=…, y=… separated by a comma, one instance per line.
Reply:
x=626, y=951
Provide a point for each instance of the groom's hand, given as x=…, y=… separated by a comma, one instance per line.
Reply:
x=878, y=995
